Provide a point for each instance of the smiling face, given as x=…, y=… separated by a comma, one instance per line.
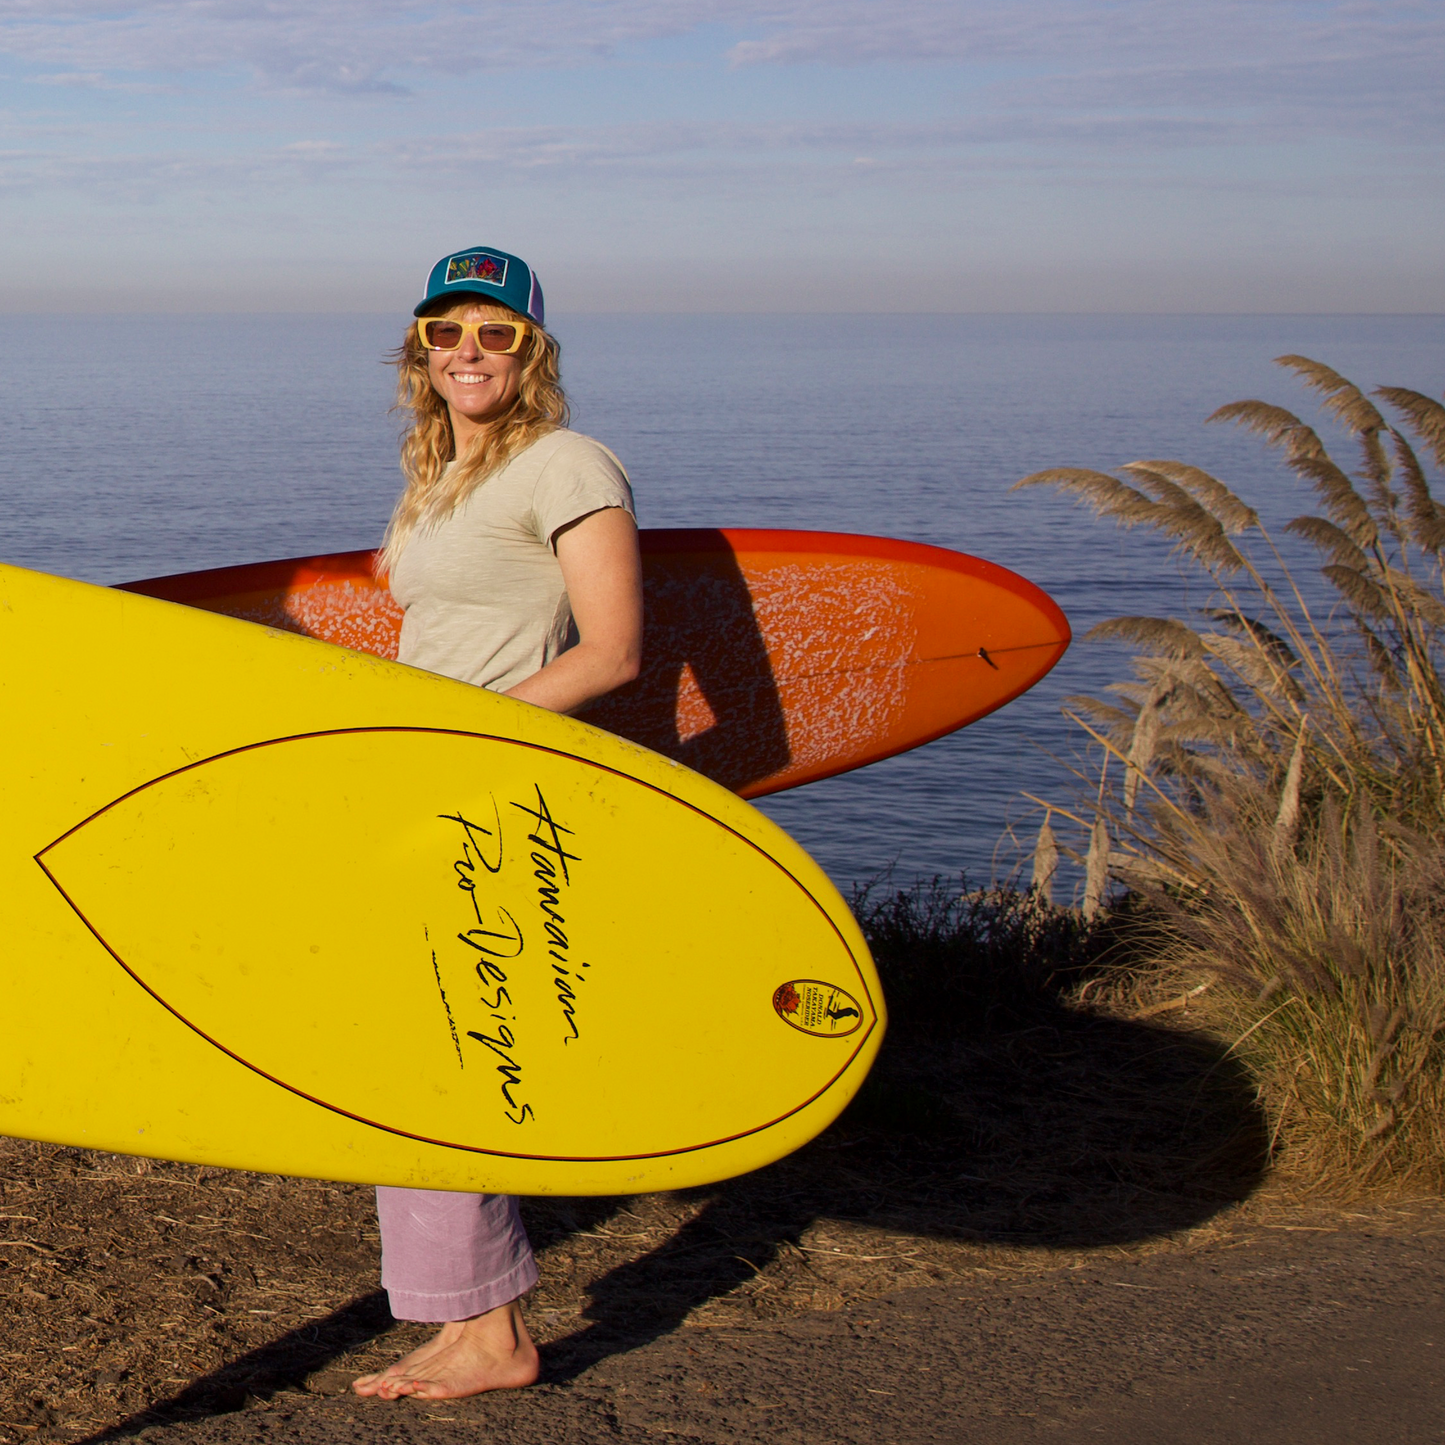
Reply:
x=477, y=386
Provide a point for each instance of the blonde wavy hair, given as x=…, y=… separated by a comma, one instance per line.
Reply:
x=428, y=446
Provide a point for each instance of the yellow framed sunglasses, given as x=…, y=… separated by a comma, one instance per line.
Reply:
x=441, y=333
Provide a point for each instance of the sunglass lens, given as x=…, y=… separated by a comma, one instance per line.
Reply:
x=441, y=335
x=498, y=338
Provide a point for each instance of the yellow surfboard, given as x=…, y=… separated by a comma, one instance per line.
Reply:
x=277, y=905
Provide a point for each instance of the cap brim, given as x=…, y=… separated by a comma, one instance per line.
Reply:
x=489, y=296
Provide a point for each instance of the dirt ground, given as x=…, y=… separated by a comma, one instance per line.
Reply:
x=970, y=1188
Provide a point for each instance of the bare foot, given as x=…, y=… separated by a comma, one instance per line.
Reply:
x=406, y=1367
x=487, y=1352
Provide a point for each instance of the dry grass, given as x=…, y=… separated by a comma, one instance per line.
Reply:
x=1271, y=792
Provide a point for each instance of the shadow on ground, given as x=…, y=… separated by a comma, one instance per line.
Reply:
x=284, y=1363
x=998, y=1112
x=1071, y=1130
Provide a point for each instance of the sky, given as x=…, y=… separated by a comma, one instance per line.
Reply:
x=757, y=155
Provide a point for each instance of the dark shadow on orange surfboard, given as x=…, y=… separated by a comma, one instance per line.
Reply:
x=702, y=640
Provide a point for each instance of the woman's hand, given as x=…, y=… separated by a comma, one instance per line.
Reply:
x=603, y=575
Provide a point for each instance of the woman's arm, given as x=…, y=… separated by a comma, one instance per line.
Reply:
x=603, y=575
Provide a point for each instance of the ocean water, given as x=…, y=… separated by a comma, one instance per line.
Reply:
x=137, y=445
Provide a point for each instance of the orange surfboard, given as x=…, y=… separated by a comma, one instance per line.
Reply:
x=771, y=659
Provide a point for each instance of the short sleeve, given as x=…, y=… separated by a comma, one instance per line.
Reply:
x=581, y=477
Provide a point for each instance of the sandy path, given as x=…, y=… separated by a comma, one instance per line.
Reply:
x=1283, y=1334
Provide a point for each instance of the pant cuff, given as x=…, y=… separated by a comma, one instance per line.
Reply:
x=463, y=1304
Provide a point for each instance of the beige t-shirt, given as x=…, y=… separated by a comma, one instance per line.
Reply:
x=483, y=589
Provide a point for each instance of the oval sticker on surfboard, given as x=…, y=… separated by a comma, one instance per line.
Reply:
x=821, y=1009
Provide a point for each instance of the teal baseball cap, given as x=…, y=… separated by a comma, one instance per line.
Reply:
x=481, y=271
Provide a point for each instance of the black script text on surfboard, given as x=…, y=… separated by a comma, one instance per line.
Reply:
x=496, y=941
x=551, y=860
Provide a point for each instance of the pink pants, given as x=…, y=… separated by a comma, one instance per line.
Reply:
x=448, y=1256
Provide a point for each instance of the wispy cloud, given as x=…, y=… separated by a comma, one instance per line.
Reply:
x=346, y=46
x=1068, y=72
x=851, y=32
x=917, y=109
x=1024, y=148
x=98, y=80
x=1287, y=65
x=1216, y=51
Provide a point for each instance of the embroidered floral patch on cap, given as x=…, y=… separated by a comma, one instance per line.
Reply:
x=477, y=266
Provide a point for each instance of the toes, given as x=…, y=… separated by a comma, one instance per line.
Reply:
x=395, y=1388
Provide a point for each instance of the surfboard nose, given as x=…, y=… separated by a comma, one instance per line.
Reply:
x=476, y=942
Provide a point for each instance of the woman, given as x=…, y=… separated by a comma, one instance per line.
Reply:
x=513, y=551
